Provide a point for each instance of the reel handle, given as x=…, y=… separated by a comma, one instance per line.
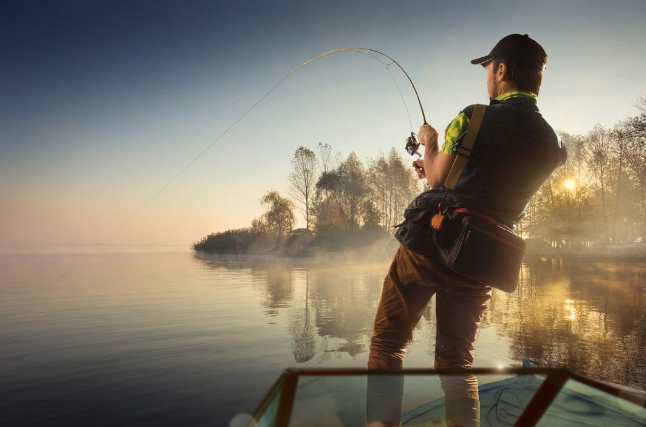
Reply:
x=419, y=168
x=412, y=148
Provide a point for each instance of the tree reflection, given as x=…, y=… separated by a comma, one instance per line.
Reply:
x=278, y=289
x=339, y=303
x=583, y=315
x=300, y=324
x=329, y=307
x=586, y=316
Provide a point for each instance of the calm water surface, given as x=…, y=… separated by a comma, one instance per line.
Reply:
x=174, y=339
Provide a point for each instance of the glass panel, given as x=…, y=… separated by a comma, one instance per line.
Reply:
x=579, y=405
x=268, y=417
x=412, y=400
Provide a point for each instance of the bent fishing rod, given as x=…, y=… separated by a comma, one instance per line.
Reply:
x=365, y=49
x=412, y=146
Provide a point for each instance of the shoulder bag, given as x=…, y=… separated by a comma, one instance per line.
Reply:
x=463, y=240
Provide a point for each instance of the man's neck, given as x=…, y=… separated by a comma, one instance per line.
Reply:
x=504, y=90
x=514, y=93
x=501, y=89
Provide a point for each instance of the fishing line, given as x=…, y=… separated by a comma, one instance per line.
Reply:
x=387, y=66
x=205, y=150
x=364, y=50
x=359, y=49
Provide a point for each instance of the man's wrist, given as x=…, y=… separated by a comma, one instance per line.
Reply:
x=430, y=148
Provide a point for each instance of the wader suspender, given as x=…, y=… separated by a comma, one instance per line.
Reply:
x=464, y=152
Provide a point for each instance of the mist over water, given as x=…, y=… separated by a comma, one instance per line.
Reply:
x=171, y=339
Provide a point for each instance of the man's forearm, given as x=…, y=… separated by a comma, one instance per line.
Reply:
x=436, y=163
x=430, y=154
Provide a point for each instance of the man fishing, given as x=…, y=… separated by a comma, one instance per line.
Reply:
x=514, y=153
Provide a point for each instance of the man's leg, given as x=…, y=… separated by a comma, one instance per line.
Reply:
x=459, y=313
x=403, y=301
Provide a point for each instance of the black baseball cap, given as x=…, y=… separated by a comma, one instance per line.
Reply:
x=519, y=49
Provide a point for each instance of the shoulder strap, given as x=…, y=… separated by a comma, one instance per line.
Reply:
x=465, y=149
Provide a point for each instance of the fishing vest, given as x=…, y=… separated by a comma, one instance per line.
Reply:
x=515, y=152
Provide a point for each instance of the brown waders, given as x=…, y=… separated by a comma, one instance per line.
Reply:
x=411, y=282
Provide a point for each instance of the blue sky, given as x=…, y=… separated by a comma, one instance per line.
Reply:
x=104, y=102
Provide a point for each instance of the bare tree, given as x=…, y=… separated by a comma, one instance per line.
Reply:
x=379, y=176
x=323, y=208
x=326, y=161
x=619, y=151
x=637, y=125
x=598, y=159
x=634, y=129
x=302, y=180
x=393, y=187
x=325, y=156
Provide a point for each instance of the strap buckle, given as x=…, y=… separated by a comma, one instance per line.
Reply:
x=464, y=152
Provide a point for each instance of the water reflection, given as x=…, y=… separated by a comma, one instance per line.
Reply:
x=301, y=326
x=587, y=316
x=330, y=308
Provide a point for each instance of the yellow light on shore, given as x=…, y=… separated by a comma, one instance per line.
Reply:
x=569, y=184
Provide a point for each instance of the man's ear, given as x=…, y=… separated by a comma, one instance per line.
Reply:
x=503, y=72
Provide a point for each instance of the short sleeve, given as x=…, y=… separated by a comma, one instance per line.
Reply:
x=454, y=134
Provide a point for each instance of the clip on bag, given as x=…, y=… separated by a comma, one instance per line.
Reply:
x=471, y=243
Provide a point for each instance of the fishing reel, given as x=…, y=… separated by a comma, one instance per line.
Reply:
x=412, y=148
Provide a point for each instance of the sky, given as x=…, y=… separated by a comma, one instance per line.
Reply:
x=102, y=103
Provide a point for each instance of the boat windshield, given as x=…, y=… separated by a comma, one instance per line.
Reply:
x=523, y=397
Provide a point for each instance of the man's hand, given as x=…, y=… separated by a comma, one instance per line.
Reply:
x=427, y=135
x=418, y=165
x=436, y=164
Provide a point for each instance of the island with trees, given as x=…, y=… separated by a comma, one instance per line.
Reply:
x=345, y=205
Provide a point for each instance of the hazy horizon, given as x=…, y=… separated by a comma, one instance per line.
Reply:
x=104, y=102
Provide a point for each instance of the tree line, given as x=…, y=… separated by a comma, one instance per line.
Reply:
x=598, y=197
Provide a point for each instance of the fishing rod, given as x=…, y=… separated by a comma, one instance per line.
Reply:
x=366, y=49
x=387, y=66
x=412, y=146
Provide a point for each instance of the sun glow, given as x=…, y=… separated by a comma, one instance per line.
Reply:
x=570, y=309
x=569, y=184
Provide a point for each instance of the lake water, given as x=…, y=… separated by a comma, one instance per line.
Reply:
x=175, y=339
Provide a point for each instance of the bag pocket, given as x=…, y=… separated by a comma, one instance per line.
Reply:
x=414, y=232
x=488, y=253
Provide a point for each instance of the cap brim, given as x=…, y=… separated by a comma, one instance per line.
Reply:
x=482, y=59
